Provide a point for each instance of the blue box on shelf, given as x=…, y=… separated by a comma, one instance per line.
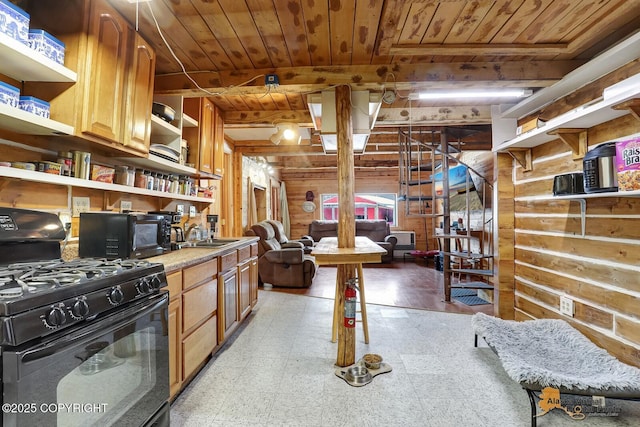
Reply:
x=44, y=43
x=9, y=95
x=35, y=106
x=14, y=21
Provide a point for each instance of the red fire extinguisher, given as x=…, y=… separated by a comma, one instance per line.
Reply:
x=350, y=306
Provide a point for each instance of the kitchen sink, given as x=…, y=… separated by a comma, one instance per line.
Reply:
x=215, y=243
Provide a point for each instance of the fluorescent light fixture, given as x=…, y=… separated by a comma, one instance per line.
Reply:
x=479, y=93
x=288, y=131
x=364, y=112
x=138, y=1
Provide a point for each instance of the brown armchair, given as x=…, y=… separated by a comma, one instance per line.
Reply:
x=283, y=239
x=282, y=265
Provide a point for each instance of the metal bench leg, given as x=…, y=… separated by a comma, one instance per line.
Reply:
x=534, y=410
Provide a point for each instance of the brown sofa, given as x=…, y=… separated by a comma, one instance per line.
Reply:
x=375, y=229
x=279, y=264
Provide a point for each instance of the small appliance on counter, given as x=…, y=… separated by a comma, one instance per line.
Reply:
x=123, y=235
x=568, y=184
x=599, y=165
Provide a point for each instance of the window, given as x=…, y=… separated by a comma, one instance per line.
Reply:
x=368, y=206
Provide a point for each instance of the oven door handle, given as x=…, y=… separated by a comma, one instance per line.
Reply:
x=96, y=328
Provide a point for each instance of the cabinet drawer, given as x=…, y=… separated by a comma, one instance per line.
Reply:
x=244, y=253
x=254, y=249
x=198, y=346
x=206, y=271
x=199, y=303
x=228, y=261
x=174, y=284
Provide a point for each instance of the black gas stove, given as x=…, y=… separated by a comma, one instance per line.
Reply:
x=89, y=332
x=38, y=298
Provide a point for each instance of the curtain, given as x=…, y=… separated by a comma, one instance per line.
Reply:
x=252, y=208
x=284, y=210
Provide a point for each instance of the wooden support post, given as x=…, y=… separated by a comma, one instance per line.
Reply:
x=446, y=214
x=346, y=219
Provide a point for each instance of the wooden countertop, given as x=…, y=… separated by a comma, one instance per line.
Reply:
x=176, y=260
x=327, y=252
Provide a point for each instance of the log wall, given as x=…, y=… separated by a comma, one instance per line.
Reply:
x=599, y=270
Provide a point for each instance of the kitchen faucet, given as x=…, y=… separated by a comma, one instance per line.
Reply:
x=190, y=229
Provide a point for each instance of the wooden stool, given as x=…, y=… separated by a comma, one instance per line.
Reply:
x=363, y=309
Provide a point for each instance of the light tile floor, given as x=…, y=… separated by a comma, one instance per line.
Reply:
x=278, y=370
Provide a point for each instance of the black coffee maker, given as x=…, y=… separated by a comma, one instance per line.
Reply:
x=213, y=221
x=174, y=218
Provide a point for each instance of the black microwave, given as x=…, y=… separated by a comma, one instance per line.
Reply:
x=123, y=235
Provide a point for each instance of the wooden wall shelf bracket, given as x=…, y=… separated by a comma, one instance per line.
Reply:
x=522, y=156
x=633, y=105
x=575, y=138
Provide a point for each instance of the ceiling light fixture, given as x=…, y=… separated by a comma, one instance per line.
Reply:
x=364, y=112
x=288, y=131
x=479, y=93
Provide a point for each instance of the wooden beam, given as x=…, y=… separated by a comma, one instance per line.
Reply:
x=406, y=77
x=260, y=118
x=425, y=116
x=479, y=49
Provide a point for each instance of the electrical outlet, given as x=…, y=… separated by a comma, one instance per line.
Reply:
x=566, y=306
x=180, y=209
x=80, y=204
x=126, y=205
x=192, y=211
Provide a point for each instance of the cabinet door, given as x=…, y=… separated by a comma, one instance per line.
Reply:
x=200, y=140
x=139, y=95
x=102, y=107
x=227, y=303
x=244, y=288
x=175, y=353
x=253, y=288
x=218, y=143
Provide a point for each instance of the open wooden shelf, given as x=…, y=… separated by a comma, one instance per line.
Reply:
x=46, y=178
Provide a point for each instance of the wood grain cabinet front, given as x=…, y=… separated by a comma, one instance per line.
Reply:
x=206, y=142
x=115, y=69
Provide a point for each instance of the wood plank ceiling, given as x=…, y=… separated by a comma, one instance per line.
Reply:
x=395, y=46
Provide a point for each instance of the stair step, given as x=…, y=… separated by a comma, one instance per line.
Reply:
x=471, y=285
x=476, y=271
x=467, y=255
x=417, y=182
x=414, y=198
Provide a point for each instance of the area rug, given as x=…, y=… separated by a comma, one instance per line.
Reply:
x=467, y=296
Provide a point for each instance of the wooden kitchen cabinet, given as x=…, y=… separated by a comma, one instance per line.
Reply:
x=174, y=330
x=228, y=303
x=139, y=91
x=114, y=67
x=244, y=288
x=253, y=284
x=206, y=142
x=199, y=314
x=175, y=354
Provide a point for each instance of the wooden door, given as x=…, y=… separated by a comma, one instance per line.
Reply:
x=102, y=111
x=207, y=136
x=139, y=95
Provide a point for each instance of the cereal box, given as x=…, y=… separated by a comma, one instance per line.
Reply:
x=628, y=164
